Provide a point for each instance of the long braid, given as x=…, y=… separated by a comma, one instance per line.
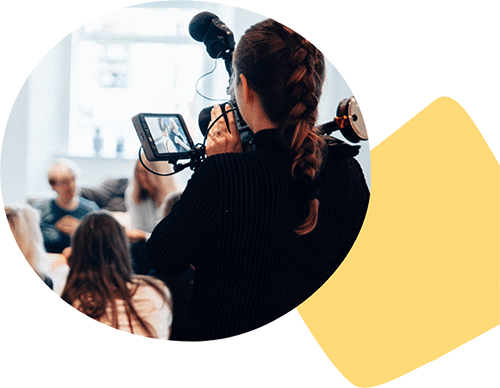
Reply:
x=287, y=72
x=306, y=146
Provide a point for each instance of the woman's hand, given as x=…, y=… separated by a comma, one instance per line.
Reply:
x=67, y=252
x=135, y=235
x=221, y=140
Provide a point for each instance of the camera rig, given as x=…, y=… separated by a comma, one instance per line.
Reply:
x=206, y=27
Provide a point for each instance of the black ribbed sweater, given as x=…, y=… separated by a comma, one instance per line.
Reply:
x=235, y=224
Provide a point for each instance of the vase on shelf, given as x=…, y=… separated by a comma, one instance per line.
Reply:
x=98, y=141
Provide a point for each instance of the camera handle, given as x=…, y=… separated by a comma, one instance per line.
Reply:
x=197, y=155
x=349, y=121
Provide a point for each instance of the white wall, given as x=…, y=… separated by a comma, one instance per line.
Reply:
x=36, y=129
x=14, y=153
x=47, y=114
x=37, y=133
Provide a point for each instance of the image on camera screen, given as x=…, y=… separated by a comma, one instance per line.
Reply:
x=168, y=134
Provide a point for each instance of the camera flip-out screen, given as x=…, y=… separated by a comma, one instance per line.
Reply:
x=163, y=136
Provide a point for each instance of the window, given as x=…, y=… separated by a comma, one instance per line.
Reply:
x=138, y=59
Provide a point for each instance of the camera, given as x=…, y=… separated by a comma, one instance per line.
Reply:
x=163, y=136
x=166, y=137
x=246, y=133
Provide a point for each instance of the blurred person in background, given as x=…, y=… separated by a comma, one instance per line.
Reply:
x=102, y=285
x=61, y=216
x=24, y=222
x=144, y=198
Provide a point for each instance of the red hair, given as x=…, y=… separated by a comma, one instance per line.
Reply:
x=287, y=72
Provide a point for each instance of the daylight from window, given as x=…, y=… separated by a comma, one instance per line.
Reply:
x=129, y=62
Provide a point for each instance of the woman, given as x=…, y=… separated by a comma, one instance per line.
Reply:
x=144, y=199
x=243, y=217
x=24, y=222
x=101, y=283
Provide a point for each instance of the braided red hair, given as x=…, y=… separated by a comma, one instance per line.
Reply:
x=287, y=72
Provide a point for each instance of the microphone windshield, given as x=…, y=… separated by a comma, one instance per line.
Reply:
x=200, y=24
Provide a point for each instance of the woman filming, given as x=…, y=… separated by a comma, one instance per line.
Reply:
x=247, y=221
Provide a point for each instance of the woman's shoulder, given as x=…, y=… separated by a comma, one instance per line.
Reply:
x=153, y=307
x=142, y=280
x=225, y=158
x=144, y=285
x=231, y=162
x=210, y=167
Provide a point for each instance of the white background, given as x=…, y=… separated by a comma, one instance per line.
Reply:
x=397, y=58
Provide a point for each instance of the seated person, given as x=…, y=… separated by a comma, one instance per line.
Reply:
x=144, y=198
x=24, y=222
x=180, y=286
x=61, y=216
x=101, y=283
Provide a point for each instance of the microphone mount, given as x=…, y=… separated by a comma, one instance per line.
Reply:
x=218, y=38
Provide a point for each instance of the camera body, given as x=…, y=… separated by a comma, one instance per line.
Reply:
x=204, y=119
x=246, y=133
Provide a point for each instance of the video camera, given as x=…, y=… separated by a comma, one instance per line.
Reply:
x=165, y=137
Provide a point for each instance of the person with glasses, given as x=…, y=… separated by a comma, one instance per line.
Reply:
x=61, y=216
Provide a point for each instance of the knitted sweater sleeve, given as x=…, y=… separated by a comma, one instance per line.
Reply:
x=180, y=238
x=47, y=222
